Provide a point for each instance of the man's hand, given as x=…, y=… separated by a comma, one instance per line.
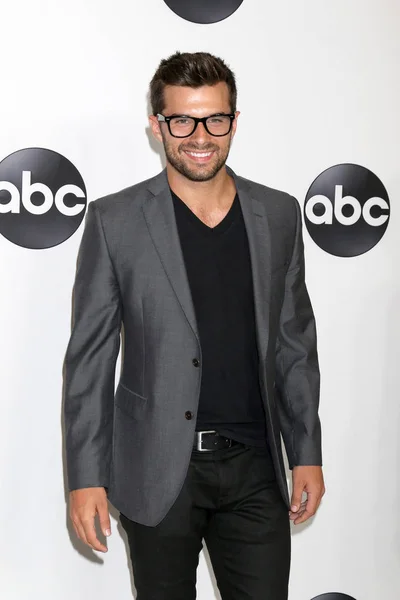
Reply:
x=84, y=504
x=307, y=479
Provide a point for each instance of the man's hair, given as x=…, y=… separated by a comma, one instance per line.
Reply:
x=192, y=70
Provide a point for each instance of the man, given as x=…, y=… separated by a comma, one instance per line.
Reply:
x=204, y=270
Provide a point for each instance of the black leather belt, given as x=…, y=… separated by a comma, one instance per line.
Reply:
x=204, y=441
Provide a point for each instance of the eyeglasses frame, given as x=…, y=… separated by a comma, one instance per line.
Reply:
x=197, y=120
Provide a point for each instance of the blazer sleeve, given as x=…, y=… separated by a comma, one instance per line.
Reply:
x=297, y=378
x=90, y=360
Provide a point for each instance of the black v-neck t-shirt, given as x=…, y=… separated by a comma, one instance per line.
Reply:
x=218, y=267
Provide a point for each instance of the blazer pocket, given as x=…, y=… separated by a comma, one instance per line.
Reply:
x=130, y=402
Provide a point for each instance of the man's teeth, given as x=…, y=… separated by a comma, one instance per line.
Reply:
x=200, y=154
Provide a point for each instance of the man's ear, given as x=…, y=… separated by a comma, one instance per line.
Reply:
x=155, y=128
x=234, y=125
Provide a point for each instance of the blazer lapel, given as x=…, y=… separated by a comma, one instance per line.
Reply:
x=258, y=234
x=160, y=217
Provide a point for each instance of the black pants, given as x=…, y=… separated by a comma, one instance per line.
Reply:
x=230, y=498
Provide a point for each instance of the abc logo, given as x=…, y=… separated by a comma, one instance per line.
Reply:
x=347, y=210
x=42, y=198
x=333, y=596
x=204, y=11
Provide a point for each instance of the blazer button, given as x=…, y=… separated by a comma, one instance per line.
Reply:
x=196, y=362
x=188, y=415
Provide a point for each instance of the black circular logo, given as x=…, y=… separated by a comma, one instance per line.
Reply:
x=347, y=210
x=204, y=11
x=333, y=596
x=42, y=198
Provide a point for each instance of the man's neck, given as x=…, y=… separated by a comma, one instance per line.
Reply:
x=208, y=195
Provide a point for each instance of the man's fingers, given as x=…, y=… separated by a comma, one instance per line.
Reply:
x=90, y=532
x=104, y=518
x=82, y=536
x=294, y=515
x=296, y=497
x=304, y=517
x=313, y=501
x=81, y=533
x=75, y=529
x=310, y=509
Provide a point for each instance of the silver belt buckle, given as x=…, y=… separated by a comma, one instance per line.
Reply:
x=200, y=439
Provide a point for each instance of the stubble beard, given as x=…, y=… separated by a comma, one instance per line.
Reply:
x=199, y=172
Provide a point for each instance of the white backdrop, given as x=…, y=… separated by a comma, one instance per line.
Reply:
x=318, y=85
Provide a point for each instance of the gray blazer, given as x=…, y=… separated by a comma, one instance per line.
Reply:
x=131, y=280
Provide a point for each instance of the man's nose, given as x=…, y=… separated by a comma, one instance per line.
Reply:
x=200, y=134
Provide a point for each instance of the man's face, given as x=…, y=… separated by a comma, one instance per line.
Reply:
x=183, y=153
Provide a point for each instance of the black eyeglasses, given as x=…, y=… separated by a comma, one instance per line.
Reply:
x=182, y=126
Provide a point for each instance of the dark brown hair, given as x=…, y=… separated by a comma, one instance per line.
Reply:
x=192, y=70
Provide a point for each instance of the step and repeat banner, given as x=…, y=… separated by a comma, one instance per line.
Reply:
x=318, y=91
